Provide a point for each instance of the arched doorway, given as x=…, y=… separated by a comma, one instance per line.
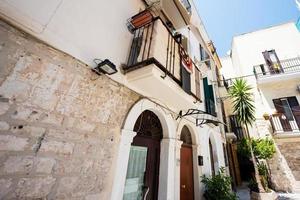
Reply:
x=142, y=178
x=186, y=166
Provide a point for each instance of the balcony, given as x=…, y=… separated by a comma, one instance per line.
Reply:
x=285, y=70
x=178, y=11
x=282, y=126
x=155, y=66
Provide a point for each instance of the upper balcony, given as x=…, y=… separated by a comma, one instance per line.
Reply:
x=282, y=126
x=159, y=67
x=285, y=70
x=179, y=12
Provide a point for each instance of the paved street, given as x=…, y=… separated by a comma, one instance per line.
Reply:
x=284, y=196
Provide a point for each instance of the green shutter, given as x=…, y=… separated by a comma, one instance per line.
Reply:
x=209, y=97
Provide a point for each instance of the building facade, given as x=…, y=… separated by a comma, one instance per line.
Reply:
x=150, y=130
x=269, y=60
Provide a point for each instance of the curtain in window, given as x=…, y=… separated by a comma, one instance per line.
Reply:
x=135, y=173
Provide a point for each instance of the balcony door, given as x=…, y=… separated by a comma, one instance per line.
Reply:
x=272, y=62
x=289, y=112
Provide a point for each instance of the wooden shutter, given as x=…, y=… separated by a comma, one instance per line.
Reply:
x=268, y=61
x=284, y=121
x=186, y=80
x=293, y=102
x=197, y=83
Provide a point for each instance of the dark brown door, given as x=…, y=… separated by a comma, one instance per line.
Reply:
x=284, y=120
x=293, y=102
x=186, y=173
x=152, y=164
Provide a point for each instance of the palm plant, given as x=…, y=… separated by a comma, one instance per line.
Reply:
x=243, y=107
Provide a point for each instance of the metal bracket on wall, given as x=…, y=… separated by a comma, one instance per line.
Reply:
x=201, y=117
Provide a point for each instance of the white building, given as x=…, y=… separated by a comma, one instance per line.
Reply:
x=269, y=59
x=129, y=139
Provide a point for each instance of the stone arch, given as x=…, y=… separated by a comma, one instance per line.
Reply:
x=145, y=104
x=127, y=135
x=192, y=129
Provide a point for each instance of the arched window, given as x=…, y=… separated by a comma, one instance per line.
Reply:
x=186, y=136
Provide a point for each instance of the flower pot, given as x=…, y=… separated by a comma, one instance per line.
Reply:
x=264, y=195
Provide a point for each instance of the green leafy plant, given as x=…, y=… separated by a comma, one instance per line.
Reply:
x=243, y=103
x=263, y=148
x=253, y=186
x=262, y=169
x=243, y=148
x=264, y=175
x=218, y=187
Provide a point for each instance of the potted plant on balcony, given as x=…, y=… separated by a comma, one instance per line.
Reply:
x=266, y=116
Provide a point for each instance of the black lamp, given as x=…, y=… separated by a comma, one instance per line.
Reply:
x=105, y=67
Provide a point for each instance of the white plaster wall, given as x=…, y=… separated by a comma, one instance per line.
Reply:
x=93, y=29
x=247, y=49
x=247, y=52
x=89, y=29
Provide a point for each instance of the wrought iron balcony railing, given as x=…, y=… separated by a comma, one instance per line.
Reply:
x=155, y=44
x=287, y=66
x=280, y=124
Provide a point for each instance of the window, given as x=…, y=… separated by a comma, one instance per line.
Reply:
x=203, y=54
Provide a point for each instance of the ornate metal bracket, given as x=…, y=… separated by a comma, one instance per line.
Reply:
x=202, y=119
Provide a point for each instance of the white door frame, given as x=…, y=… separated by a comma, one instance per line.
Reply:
x=167, y=154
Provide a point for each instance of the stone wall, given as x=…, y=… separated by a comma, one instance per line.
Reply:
x=285, y=166
x=291, y=152
x=282, y=177
x=59, y=122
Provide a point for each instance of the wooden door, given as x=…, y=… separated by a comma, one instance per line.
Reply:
x=151, y=176
x=186, y=173
x=293, y=102
x=286, y=126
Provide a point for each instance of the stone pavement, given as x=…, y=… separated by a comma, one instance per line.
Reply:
x=287, y=196
x=243, y=192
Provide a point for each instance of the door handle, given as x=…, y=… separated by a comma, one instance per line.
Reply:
x=183, y=186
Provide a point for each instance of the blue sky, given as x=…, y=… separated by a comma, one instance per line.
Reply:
x=224, y=19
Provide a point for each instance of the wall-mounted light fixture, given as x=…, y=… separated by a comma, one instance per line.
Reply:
x=105, y=67
x=200, y=160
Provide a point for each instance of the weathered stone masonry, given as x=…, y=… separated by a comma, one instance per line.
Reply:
x=59, y=123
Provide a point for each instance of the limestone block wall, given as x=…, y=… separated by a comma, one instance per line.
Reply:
x=291, y=151
x=282, y=177
x=59, y=123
